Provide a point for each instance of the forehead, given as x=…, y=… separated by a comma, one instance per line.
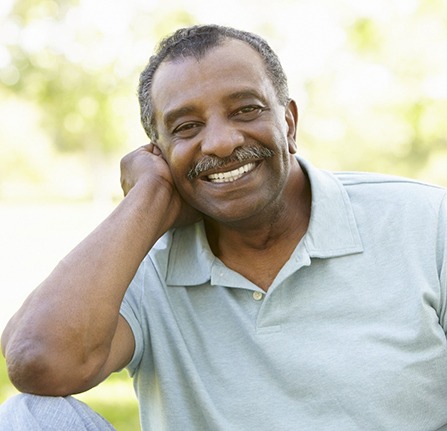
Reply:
x=228, y=68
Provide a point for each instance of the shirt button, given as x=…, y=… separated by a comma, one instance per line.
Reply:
x=257, y=296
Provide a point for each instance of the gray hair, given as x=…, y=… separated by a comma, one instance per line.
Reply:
x=196, y=41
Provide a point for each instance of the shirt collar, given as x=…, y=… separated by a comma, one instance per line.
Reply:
x=332, y=228
x=190, y=259
x=332, y=232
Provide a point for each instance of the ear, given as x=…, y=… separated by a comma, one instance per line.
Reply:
x=159, y=148
x=156, y=149
x=292, y=124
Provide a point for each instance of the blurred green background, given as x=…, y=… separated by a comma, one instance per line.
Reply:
x=370, y=79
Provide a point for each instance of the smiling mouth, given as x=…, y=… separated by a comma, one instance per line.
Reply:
x=230, y=176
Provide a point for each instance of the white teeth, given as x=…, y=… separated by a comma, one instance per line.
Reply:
x=227, y=177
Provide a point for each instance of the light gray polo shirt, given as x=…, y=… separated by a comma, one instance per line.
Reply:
x=349, y=336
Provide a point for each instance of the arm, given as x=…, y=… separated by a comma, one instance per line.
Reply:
x=68, y=335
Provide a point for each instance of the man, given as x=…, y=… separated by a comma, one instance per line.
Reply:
x=243, y=288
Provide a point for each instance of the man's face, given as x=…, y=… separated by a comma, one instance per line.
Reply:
x=211, y=109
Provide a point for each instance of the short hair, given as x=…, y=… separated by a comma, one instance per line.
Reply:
x=196, y=41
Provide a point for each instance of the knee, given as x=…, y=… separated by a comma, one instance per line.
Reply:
x=24, y=410
x=36, y=412
x=30, y=403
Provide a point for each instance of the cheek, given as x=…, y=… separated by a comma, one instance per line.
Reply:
x=180, y=158
x=176, y=156
x=180, y=162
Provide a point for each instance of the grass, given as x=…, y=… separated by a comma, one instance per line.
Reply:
x=114, y=399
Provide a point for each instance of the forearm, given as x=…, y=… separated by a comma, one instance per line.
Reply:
x=68, y=322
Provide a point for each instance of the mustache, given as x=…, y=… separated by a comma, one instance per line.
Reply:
x=240, y=154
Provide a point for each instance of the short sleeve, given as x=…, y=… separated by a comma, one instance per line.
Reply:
x=131, y=311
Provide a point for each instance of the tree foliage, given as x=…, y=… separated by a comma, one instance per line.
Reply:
x=76, y=103
x=80, y=73
x=376, y=101
x=383, y=104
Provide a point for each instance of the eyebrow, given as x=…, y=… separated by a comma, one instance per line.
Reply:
x=171, y=116
x=245, y=94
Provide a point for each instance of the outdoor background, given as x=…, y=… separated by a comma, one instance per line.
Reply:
x=369, y=77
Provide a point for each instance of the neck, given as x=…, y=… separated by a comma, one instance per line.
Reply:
x=258, y=247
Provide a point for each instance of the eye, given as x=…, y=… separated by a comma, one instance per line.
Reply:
x=187, y=130
x=248, y=113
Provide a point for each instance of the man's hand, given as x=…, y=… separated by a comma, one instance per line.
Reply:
x=141, y=164
x=147, y=165
x=69, y=335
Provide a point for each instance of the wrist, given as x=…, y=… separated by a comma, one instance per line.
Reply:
x=155, y=204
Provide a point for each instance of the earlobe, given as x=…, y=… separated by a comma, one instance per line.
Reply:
x=156, y=149
x=292, y=123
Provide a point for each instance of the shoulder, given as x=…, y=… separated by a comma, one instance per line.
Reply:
x=389, y=188
x=376, y=179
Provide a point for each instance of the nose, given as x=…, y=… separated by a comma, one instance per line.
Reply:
x=221, y=138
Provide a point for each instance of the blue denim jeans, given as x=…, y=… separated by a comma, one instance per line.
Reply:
x=26, y=412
